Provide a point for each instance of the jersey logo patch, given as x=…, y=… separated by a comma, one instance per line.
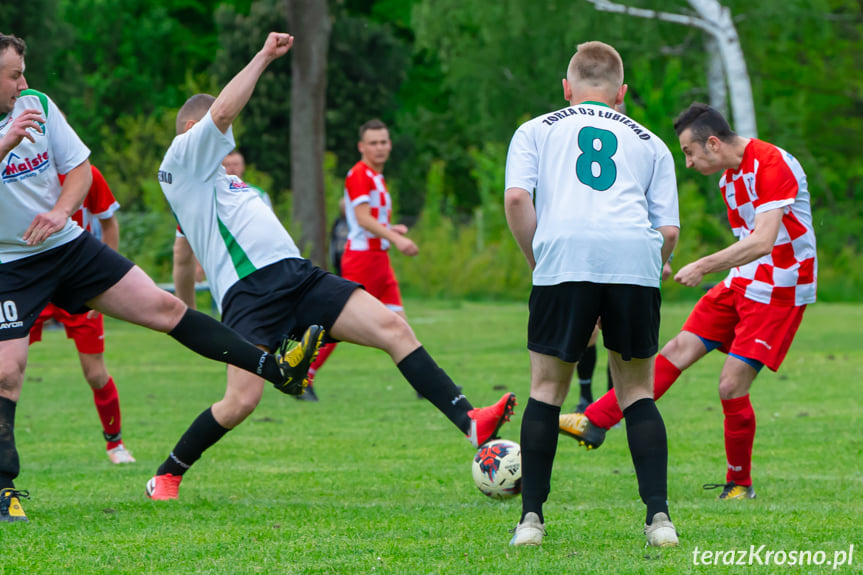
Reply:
x=18, y=168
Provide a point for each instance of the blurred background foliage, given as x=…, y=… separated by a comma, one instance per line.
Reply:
x=453, y=79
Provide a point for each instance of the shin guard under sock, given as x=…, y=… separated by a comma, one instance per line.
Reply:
x=204, y=432
x=9, y=463
x=213, y=340
x=648, y=445
x=434, y=384
x=539, y=432
x=739, y=437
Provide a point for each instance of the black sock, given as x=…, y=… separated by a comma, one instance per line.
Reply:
x=586, y=363
x=211, y=339
x=585, y=391
x=434, y=384
x=9, y=463
x=204, y=432
x=648, y=445
x=539, y=429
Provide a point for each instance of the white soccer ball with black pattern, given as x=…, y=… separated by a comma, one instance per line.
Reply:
x=497, y=469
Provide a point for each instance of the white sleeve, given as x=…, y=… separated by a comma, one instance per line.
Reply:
x=200, y=151
x=522, y=161
x=662, y=193
x=66, y=147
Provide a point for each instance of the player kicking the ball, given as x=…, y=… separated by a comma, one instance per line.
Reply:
x=265, y=289
x=752, y=315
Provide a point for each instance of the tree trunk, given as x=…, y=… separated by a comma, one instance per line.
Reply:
x=716, y=86
x=309, y=22
x=740, y=88
x=715, y=19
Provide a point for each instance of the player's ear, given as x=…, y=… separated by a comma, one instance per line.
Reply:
x=620, y=95
x=567, y=90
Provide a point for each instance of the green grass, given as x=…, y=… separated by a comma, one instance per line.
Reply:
x=371, y=480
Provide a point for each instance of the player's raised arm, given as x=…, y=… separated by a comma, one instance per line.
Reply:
x=237, y=92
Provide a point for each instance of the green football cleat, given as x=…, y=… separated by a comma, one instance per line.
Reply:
x=731, y=491
x=295, y=361
x=10, y=506
x=578, y=426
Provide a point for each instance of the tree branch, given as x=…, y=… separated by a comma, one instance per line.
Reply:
x=608, y=6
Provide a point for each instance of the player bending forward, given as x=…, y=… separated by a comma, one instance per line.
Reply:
x=752, y=315
x=265, y=288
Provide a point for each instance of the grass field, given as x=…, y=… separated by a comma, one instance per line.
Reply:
x=372, y=480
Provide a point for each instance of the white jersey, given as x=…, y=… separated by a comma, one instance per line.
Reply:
x=602, y=184
x=230, y=229
x=29, y=174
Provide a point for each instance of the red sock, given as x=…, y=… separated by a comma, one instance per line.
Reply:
x=605, y=412
x=739, y=437
x=108, y=405
x=323, y=354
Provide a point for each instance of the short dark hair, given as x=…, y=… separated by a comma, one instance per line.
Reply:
x=14, y=42
x=372, y=125
x=704, y=122
x=194, y=109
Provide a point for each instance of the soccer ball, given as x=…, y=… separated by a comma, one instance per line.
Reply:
x=497, y=469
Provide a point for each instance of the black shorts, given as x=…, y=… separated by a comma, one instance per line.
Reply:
x=562, y=318
x=68, y=276
x=283, y=299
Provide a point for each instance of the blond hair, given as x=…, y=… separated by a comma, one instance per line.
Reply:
x=596, y=65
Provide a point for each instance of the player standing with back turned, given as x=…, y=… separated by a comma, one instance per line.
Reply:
x=604, y=221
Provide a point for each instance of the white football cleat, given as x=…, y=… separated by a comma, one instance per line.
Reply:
x=120, y=455
x=661, y=532
x=528, y=532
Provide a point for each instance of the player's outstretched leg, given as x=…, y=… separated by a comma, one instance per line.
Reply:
x=295, y=361
x=589, y=428
x=485, y=422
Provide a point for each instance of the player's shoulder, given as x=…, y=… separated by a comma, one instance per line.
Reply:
x=30, y=98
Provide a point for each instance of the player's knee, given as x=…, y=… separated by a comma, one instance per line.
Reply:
x=730, y=387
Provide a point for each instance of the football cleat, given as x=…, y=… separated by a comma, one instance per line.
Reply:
x=485, y=422
x=530, y=531
x=295, y=358
x=731, y=491
x=164, y=487
x=308, y=395
x=120, y=455
x=661, y=532
x=10, y=505
x=578, y=426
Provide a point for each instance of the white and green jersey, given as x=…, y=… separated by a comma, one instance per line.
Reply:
x=602, y=184
x=29, y=181
x=231, y=230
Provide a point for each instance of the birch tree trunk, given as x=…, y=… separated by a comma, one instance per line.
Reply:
x=309, y=22
x=715, y=19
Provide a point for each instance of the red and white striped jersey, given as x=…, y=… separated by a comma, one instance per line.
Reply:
x=363, y=185
x=100, y=203
x=770, y=178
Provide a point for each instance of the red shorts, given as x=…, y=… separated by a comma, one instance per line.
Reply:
x=88, y=333
x=745, y=327
x=372, y=269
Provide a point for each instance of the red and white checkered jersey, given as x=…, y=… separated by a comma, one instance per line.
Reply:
x=770, y=178
x=100, y=203
x=363, y=185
